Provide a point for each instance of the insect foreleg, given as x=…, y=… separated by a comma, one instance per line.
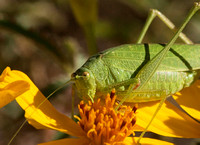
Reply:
x=152, y=14
x=132, y=81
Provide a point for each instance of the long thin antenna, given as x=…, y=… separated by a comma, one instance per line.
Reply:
x=37, y=108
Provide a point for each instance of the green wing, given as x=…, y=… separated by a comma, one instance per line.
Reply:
x=132, y=57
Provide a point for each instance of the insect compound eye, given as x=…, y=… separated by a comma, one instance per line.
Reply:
x=86, y=74
x=73, y=75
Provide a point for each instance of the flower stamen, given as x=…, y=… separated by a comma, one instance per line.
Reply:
x=103, y=124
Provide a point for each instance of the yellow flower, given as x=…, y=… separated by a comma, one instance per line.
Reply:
x=169, y=122
x=104, y=126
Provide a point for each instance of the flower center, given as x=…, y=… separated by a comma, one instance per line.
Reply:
x=103, y=124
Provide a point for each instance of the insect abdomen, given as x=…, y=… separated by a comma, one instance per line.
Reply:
x=161, y=84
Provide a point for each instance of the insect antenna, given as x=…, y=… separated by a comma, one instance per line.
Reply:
x=60, y=87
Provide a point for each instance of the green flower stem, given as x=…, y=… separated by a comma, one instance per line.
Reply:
x=90, y=38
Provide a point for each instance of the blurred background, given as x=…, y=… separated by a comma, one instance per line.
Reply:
x=49, y=39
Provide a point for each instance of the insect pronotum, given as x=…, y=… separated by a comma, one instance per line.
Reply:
x=141, y=72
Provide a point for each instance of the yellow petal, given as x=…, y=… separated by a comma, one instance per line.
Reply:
x=145, y=141
x=46, y=116
x=10, y=88
x=189, y=99
x=8, y=77
x=11, y=91
x=170, y=121
x=68, y=141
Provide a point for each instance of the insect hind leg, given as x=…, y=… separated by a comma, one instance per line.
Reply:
x=152, y=14
x=164, y=94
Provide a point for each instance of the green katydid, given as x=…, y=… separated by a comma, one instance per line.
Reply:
x=149, y=68
x=141, y=72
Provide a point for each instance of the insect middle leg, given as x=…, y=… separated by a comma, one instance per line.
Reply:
x=152, y=14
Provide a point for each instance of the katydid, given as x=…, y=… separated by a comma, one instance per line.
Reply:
x=118, y=67
x=141, y=72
